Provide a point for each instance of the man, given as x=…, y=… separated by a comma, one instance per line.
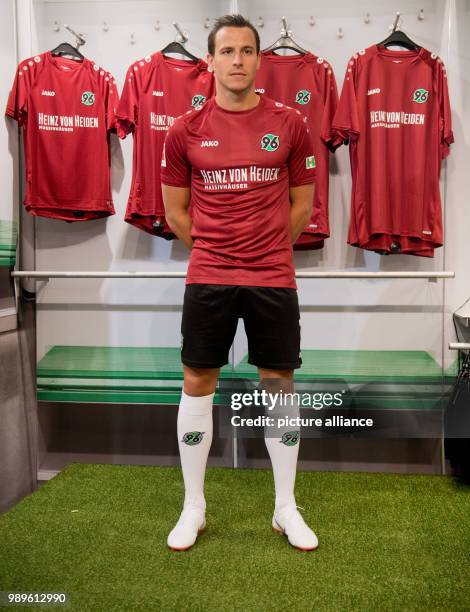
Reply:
x=245, y=164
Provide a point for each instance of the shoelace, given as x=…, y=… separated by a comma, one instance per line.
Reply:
x=287, y=512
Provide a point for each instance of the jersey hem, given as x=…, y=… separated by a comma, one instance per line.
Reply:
x=207, y=280
x=57, y=213
x=309, y=182
x=169, y=184
x=89, y=205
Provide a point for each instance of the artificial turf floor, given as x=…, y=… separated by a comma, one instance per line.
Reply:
x=98, y=533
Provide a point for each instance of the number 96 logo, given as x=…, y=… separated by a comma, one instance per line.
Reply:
x=270, y=142
x=88, y=98
x=420, y=96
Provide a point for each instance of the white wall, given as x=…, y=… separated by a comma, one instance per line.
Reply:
x=343, y=314
x=8, y=130
x=457, y=229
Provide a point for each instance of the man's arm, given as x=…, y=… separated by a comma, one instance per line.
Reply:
x=301, y=199
x=176, y=201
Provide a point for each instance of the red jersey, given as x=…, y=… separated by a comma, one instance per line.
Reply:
x=66, y=109
x=240, y=166
x=394, y=110
x=307, y=83
x=157, y=89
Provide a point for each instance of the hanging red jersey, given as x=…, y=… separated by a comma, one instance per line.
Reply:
x=66, y=109
x=239, y=166
x=395, y=112
x=157, y=89
x=307, y=83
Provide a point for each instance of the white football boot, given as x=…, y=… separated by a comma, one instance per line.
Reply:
x=190, y=524
x=290, y=522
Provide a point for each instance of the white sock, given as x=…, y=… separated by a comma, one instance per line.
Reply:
x=283, y=452
x=194, y=426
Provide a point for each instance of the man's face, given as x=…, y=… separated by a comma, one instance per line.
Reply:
x=235, y=60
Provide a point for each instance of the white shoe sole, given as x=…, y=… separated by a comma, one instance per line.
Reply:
x=199, y=531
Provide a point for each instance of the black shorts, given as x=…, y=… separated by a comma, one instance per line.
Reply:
x=210, y=318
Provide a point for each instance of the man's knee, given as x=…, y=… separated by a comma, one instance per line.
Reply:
x=276, y=380
x=200, y=381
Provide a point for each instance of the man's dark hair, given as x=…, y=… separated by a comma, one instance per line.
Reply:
x=230, y=21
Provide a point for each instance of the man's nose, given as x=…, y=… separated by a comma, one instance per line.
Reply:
x=237, y=59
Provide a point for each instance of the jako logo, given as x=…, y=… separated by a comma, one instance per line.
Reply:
x=371, y=92
x=259, y=90
x=210, y=143
x=157, y=93
x=47, y=92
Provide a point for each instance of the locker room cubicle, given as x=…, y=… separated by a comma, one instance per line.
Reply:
x=349, y=315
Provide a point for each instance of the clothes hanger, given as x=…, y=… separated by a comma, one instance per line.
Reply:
x=285, y=41
x=397, y=37
x=177, y=46
x=66, y=49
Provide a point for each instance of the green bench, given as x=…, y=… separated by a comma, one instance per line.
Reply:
x=8, y=243
x=143, y=375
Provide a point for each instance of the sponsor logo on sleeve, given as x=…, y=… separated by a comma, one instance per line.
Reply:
x=310, y=162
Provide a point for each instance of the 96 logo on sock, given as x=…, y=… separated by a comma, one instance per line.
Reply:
x=290, y=438
x=191, y=438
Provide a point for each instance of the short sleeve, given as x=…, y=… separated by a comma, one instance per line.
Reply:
x=112, y=102
x=17, y=105
x=127, y=114
x=445, y=115
x=346, y=120
x=176, y=169
x=301, y=162
x=330, y=104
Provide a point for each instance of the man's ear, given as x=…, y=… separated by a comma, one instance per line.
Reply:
x=209, y=60
x=258, y=64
